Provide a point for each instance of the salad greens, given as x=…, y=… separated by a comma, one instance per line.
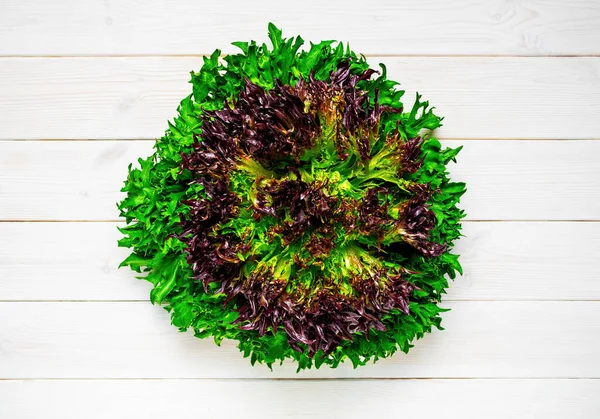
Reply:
x=296, y=206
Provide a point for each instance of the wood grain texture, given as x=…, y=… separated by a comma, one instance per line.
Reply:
x=132, y=98
x=65, y=180
x=78, y=338
x=502, y=261
x=507, y=180
x=135, y=340
x=131, y=27
x=150, y=399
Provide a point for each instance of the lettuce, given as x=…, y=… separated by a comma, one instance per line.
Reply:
x=294, y=206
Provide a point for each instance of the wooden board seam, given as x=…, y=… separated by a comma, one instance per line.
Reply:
x=324, y=379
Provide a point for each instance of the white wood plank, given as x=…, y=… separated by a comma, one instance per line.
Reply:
x=135, y=340
x=507, y=180
x=529, y=180
x=81, y=98
x=132, y=98
x=65, y=179
x=300, y=398
x=65, y=261
x=85, y=27
x=528, y=261
x=502, y=261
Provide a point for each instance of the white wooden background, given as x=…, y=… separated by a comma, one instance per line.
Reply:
x=85, y=85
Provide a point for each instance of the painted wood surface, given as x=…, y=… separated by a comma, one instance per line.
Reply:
x=430, y=27
x=507, y=180
x=133, y=97
x=159, y=399
x=503, y=261
x=519, y=85
x=482, y=339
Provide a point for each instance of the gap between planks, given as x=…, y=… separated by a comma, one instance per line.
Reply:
x=263, y=379
x=369, y=55
x=462, y=300
x=66, y=140
x=119, y=220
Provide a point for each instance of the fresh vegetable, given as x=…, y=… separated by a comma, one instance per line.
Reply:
x=294, y=205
